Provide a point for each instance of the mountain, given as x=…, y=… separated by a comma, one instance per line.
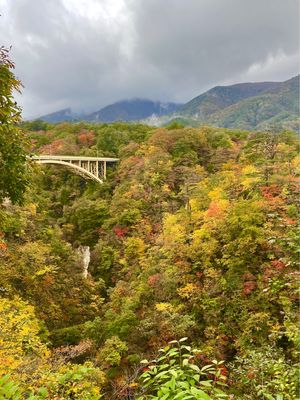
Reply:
x=59, y=116
x=125, y=110
x=132, y=110
x=275, y=107
x=221, y=97
x=252, y=106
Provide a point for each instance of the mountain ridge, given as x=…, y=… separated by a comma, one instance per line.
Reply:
x=223, y=96
x=249, y=105
x=124, y=110
x=258, y=110
x=264, y=105
x=132, y=110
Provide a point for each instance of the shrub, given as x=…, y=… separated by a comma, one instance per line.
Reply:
x=265, y=374
x=8, y=389
x=177, y=375
x=111, y=352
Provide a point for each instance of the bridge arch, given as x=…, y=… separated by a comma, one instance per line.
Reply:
x=79, y=170
x=93, y=168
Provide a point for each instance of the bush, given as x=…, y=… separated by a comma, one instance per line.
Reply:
x=266, y=374
x=8, y=389
x=111, y=352
x=175, y=374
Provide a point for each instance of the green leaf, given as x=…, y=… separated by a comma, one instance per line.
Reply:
x=188, y=348
x=185, y=362
x=199, y=392
x=206, y=367
x=269, y=396
x=174, y=373
x=206, y=383
x=194, y=367
x=183, y=339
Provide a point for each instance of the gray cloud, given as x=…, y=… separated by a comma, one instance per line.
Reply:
x=88, y=53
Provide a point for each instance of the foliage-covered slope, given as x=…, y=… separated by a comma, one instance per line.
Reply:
x=221, y=97
x=193, y=234
x=278, y=107
x=251, y=106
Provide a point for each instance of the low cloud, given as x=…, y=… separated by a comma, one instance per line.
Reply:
x=88, y=53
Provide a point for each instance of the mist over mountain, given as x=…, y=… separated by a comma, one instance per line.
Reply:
x=59, y=116
x=256, y=105
x=132, y=110
x=125, y=110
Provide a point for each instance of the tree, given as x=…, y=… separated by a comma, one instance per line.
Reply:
x=20, y=344
x=13, y=169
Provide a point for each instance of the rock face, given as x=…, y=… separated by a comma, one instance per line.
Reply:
x=85, y=254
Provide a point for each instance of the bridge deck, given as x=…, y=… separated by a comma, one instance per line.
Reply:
x=74, y=158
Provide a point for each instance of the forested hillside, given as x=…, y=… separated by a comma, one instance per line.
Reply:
x=252, y=106
x=275, y=107
x=220, y=97
x=193, y=235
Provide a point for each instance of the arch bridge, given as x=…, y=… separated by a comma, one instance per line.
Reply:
x=88, y=167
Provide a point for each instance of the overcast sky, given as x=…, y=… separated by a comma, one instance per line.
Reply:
x=86, y=54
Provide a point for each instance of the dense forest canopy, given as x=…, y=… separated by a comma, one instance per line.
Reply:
x=193, y=234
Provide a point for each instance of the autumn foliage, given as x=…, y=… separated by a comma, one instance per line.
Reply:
x=192, y=235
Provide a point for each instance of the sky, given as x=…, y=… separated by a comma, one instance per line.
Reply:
x=85, y=54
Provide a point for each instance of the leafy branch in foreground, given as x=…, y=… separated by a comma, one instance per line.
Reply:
x=176, y=375
x=13, y=169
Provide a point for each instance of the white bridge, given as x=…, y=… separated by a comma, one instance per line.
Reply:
x=88, y=167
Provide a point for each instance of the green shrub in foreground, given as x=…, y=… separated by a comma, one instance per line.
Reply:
x=175, y=375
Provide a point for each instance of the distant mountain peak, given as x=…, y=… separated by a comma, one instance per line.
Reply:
x=132, y=110
x=65, y=114
x=123, y=110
